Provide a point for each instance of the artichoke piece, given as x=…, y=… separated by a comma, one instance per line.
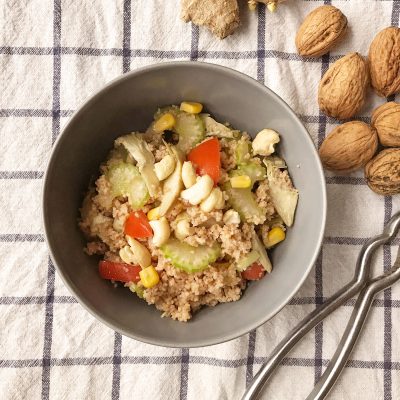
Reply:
x=283, y=195
x=260, y=248
x=214, y=128
x=137, y=147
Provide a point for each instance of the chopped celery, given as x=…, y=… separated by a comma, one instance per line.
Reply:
x=243, y=201
x=242, y=151
x=125, y=180
x=283, y=195
x=137, y=147
x=190, y=129
x=188, y=258
x=247, y=260
x=254, y=171
x=214, y=128
x=135, y=288
x=174, y=110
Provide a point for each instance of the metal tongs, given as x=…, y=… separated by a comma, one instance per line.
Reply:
x=362, y=282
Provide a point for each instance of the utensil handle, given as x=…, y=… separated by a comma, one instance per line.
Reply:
x=352, y=332
x=313, y=319
x=345, y=347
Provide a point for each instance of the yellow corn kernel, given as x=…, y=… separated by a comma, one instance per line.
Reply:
x=240, y=182
x=164, y=123
x=190, y=107
x=271, y=6
x=149, y=277
x=154, y=214
x=274, y=236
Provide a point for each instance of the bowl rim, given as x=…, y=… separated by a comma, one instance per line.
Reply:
x=46, y=225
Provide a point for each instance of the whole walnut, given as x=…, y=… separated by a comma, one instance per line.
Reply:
x=384, y=61
x=386, y=121
x=348, y=147
x=342, y=90
x=383, y=172
x=320, y=31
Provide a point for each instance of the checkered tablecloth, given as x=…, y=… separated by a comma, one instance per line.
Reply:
x=53, y=55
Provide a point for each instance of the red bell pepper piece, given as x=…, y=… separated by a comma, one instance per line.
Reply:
x=207, y=159
x=254, y=272
x=137, y=225
x=120, y=272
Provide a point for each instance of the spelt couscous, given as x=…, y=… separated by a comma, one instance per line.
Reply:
x=183, y=213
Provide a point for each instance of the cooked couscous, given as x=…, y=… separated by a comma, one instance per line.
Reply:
x=182, y=214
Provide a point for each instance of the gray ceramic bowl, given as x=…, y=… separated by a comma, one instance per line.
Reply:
x=128, y=104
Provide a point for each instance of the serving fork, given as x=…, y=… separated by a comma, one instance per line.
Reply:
x=362, y=283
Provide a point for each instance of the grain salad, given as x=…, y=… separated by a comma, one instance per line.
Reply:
x=183, y=214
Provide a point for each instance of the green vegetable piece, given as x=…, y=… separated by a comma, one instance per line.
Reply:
x=283, y=194
x=190, y=129
x=135, y=288
x=137, y=147
x=174, y=110
x=243, y=201
x=254, y=171
x=260, y=248
x=275, y=160
x=125, y=180
x=214, y=128
x=188, y=258
x=242, y=151
x=247, y=260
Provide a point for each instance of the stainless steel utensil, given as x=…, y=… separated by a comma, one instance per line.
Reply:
x=368, y=288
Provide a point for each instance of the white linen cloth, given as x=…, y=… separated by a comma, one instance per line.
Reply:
x=53, y=55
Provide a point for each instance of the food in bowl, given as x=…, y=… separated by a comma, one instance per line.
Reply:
x=182, y=214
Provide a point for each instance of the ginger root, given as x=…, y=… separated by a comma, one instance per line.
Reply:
x=221, y=17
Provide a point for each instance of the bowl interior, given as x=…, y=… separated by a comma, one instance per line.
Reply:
x=128, y=104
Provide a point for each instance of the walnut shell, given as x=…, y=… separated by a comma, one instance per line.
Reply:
x=348, y=147
x=383, y=172
x=384, y=57
x=386, y=121
x=320, y=31
x=343, y=88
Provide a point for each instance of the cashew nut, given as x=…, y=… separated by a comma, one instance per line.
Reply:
x=165, y=167
x=214, y=201
x=161, y=231
x=139, y=252
x=199, y=191
x=263, y=144
x=126, y=255
x=188, y=174
x=231, y=217
x=183, y=229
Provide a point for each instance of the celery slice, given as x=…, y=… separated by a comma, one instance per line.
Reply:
x=188, y=258
x=125, y=180
x=190, y=129
x=255, y=171
x=243, y=201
